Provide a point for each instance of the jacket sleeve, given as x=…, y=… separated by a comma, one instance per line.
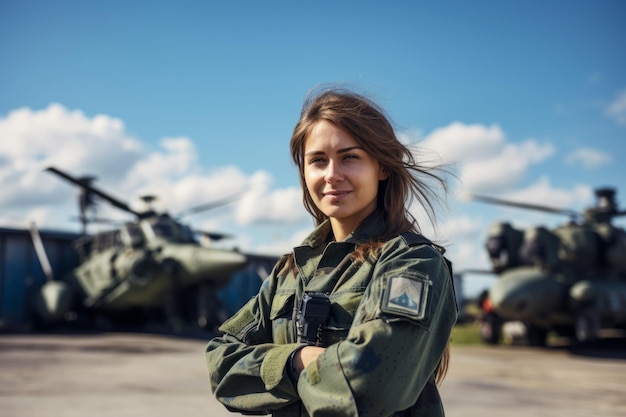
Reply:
x=246, y=370
x=394, y=344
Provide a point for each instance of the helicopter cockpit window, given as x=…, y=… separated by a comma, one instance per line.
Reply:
x=187, y=234
x=165, y=227
x=131, y=235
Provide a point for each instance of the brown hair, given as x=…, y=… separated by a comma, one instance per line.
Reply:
x=371, y=128
x=407, y=180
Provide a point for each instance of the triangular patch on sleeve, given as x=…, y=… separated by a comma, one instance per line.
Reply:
x=406, y=296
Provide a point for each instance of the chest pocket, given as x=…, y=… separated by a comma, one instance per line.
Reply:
x=342, y=309
x=281, y=317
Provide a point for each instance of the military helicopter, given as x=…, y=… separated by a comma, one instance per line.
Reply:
x=570, y=280
x=152, y=266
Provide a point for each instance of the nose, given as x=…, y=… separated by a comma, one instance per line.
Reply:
x=333, y=172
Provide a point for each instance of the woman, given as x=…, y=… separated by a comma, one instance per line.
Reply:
x=356, y=320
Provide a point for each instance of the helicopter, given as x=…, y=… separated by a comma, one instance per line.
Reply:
x=151, y=267
x=570, y=280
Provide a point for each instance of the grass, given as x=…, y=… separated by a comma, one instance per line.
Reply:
x=466, y=334
x=467, y=329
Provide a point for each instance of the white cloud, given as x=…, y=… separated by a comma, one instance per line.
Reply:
x=32, y=140
x=506, y=168
x=56, y=135
x=195, y=189
x=462, y=227
x=179, y=155
x=459, y=142
x=126, y=169
x=588, y=158
x=484, y=158
x=617, y=108
x=279, y=246
x=260, y=205
x=543, y=193
x=100, y=145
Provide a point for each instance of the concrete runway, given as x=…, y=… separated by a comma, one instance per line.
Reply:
x=126, y=374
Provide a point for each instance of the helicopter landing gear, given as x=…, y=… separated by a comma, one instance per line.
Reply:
x=587, y=325
x=536, y=336
x=491, y=329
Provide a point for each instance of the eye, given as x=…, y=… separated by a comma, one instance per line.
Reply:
x=316, y=160
x=351, y=156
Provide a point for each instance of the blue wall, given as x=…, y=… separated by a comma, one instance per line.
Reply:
x=245, y=284
x=20, y=269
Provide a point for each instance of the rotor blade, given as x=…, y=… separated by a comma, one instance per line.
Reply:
x=209, y=206
x=99, y=220
x=498, y=201
x=115, y=202
x=214, y=235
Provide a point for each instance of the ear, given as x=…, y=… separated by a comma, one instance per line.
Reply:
x=383, y=174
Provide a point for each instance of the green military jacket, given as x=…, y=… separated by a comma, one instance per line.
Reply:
x=390, y=321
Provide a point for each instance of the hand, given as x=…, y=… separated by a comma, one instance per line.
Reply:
x=305, y=356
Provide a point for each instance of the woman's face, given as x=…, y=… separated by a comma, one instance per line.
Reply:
x=340, y=176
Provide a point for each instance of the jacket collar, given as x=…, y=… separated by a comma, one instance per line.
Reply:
x=370, y=228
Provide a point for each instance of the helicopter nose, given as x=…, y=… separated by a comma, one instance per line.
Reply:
x=205, y=264
x=511, y=304
x=219, y=262
x=525, y=293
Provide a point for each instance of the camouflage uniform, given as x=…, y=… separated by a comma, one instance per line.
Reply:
x=389, y=323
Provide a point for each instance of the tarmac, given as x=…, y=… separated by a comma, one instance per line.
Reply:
x=132, y=374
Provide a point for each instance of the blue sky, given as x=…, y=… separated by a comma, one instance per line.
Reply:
x=195, y=100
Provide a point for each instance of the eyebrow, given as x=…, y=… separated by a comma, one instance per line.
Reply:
x=342, y=150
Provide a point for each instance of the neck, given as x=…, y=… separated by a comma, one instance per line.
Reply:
x=341, y=230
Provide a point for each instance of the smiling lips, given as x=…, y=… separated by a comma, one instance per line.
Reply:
x=336, y=195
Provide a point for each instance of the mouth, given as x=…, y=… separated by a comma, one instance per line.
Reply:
x=336, y=195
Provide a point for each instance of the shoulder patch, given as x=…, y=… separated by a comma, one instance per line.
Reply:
x=407, y=296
